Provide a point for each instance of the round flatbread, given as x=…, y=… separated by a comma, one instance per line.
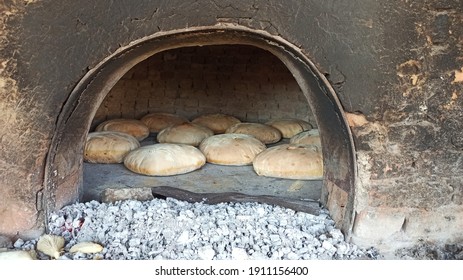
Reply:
x=231, y=149
x=164, y=159
x=108, y=146
x=264, y=133
x=184, y=133
x=136, y=128
x=289, y=127
x=218, y=123
x=290, y=161
x=158, y=121
x=308, y=137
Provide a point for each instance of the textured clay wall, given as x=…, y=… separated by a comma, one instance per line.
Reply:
x=244, y=81
x=410, y=151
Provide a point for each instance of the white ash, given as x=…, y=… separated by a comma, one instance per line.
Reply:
x=176, y=230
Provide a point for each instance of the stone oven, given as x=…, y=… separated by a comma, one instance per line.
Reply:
x=382, y=81
x=244, y=81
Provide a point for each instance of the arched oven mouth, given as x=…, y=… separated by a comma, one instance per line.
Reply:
x=66, y=169
x=242, y=81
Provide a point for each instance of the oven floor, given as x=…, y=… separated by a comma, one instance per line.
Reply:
x=210, y=178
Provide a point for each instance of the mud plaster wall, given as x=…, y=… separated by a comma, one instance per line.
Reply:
x=244, y=81
x=397, y=64
x=410, y=149
x=21, y=166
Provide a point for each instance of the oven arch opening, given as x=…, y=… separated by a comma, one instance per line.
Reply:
x=64, y=169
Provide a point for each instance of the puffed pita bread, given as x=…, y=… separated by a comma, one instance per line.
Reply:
x=108, y=146
x=265, y=133
x=218, y=123
x=158, y=121
x=164, y=159
x=231, y=149
x=136, y=128
x=184, y=133
x=289, y=127
x=290, y=161
x=308, y=137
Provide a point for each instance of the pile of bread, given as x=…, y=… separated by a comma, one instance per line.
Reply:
x=183, y=146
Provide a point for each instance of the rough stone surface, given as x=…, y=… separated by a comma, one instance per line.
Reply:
x=119, y=194
x=5, y=242
x=393, y=229
x=431, y=251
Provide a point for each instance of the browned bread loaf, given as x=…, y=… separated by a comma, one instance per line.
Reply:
x=265, y=133
x=218, y=123
x=164, y=159
x=290, y=161
x=231, y=149
x=289, y=127
x=158, y=121
x=184, y=133
x=108, y=146
x=308, y=137
x=136, y=128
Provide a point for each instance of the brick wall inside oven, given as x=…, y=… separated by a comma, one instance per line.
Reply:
x=247, y=82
